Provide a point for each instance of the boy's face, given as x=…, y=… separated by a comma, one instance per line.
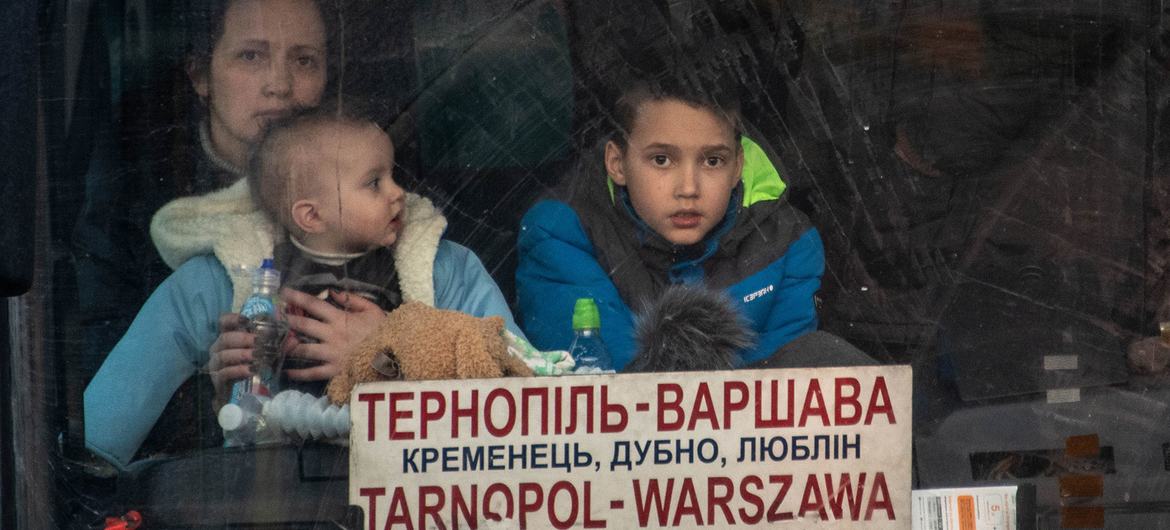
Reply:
x=360, y=206
x=679, y=166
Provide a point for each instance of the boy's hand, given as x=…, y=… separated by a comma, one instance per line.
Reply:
x=336, y=330
x=231, y=356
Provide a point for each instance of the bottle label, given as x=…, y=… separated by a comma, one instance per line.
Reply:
x=256, y=306
x=238, y=390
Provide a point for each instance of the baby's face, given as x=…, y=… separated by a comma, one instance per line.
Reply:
x=679, y=167
x=360, y=204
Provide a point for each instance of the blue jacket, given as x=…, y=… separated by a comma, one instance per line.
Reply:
x=170, y=339
x=764, y=254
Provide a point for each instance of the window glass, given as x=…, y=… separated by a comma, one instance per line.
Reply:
x=988, y=180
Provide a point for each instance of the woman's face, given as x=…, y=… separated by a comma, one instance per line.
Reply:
x=269, y=60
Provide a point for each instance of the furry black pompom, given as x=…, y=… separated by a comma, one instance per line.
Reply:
x=687, y=329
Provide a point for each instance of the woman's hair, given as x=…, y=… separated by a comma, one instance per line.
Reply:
x=207, y=20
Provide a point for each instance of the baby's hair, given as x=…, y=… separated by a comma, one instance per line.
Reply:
x=270, y=166
x=678, y=79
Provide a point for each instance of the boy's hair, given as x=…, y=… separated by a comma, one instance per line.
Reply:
x=271, y=170
x=703, y=88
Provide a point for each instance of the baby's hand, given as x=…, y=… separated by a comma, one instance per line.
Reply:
x=328, y=330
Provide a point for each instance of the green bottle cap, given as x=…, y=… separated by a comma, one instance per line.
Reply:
x=585, y=314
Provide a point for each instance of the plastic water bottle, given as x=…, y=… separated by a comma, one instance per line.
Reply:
x=265, y=283
x=241, y=418
x=262, y=312
x=588, y=350
x=243, y=421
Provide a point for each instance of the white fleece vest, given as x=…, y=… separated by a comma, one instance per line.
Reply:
x=227, y=224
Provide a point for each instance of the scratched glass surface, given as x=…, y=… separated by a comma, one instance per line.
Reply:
x=989, y=179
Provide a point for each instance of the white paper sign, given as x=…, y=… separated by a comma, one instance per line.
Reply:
x=753, y=448
x=988, y=508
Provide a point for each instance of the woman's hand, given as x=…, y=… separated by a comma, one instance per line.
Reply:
x=231, y=355
x=335, y=330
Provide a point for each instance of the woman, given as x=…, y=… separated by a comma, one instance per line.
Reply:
x=258, y=60
x=269, y=58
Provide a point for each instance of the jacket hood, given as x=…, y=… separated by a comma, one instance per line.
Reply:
x=227, y=224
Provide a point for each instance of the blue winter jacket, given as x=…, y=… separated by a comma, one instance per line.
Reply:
x=170, y=339
x=764, y=254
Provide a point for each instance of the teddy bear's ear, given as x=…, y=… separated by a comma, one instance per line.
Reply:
x=386, y=364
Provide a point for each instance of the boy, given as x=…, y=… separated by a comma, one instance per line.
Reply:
x=676, y=211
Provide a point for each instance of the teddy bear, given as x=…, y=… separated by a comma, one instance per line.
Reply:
x=418, y=342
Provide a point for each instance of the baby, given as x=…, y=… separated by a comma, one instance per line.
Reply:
x=327, y=177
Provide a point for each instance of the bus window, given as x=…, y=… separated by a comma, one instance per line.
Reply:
x=987, y=180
